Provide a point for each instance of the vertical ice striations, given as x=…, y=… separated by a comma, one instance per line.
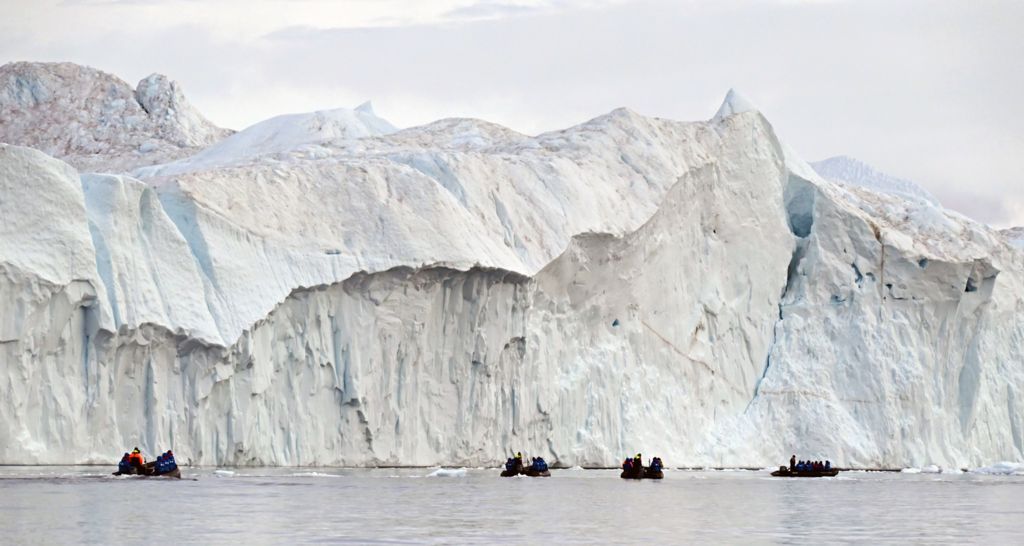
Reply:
x=324, y=290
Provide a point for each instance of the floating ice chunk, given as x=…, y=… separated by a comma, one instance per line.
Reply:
x=1002, y=468
x=223, y=473
x=314, y=475
x=448, y=473
x=911, y=470
x=931, y=469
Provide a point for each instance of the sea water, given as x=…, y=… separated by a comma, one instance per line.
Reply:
x=54, y=505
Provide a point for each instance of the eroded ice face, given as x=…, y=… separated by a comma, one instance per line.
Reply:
x=321, y=289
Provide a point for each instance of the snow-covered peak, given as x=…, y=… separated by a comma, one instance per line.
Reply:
x=282, y=134
x=847, y=170
x=96, y=121
x=734, y=103
x=366, y=108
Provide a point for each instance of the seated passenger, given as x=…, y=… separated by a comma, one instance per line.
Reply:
x=124, y=464
x=828, y=465
x=136, y=459
x=510, y=464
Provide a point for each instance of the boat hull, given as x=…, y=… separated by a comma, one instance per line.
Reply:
x=780, y=473
x=149, y=471
x=653, y=474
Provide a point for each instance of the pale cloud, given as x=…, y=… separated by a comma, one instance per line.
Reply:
x=924, y=90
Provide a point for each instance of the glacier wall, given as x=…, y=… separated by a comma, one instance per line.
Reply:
x=731, y=310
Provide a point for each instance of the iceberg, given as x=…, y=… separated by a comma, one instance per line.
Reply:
x=353, y=294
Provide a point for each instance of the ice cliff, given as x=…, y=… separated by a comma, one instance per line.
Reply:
x=324, y=289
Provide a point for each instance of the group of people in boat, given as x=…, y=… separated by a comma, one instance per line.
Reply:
x=135, y=463
x=637, y=462
x=633, y=468
x=515, y=465
x=165, y=463
x=809, y=466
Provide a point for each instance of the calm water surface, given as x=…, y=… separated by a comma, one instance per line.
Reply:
x=49, y=505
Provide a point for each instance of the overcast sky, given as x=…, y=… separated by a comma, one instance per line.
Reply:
x=926, y=90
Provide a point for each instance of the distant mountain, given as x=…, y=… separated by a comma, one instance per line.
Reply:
x=96, y=121
x=847, y=170
x=1015, y=235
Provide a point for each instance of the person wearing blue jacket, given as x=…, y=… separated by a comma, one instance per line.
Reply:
x=125, y=465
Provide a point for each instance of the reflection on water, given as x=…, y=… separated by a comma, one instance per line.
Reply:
x=389, y=506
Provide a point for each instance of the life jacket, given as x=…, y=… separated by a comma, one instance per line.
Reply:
x=136, y=459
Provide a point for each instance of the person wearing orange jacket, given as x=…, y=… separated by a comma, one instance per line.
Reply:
x=136, y=459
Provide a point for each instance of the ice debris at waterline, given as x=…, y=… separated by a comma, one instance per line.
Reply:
x=931, y=469
x=1003, y=468
x=448, y=473
x=324, y=289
